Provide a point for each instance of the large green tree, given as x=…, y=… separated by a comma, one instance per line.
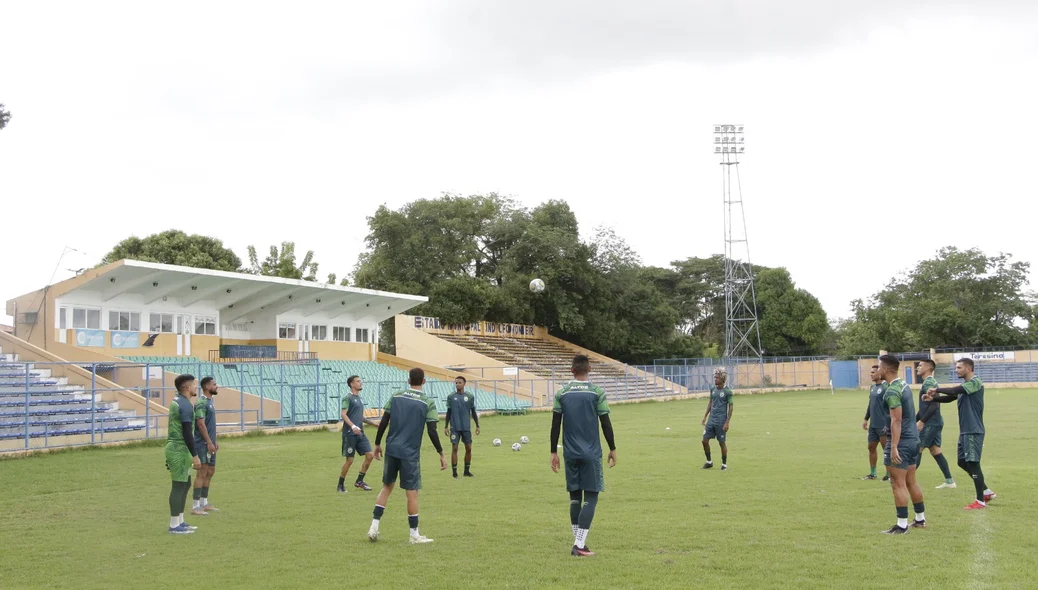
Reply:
x=176, y=247
x=281, y=262
x=792, y=321
x=5, y=116
x=959, y=298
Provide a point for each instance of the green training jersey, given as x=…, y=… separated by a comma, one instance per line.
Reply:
x=580, y=404
x=899, y=395
x=928, y=384
x=409, y=412
x=180, y=411
x=354, y=408
x=205, y=410
x=971, y=407
x=879, y=416
x=461, y=405
x=719, y=400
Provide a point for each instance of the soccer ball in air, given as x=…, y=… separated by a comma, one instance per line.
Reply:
x=497, y=442
x=517, y=447
x=537, y=285
x=524, y=440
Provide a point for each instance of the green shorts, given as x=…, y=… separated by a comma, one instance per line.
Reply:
x=461, y=436
x=178, y=462
x=410, y=473
x=353, y=444
x=909, y=455
x=585, y=475
x=970, y=447
x=930, y=435
x=715, y=431
x=875, y=434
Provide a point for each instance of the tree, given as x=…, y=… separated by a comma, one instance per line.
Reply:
x=792, y=321
x=5, y=116
x=959, y=298
x=281, y=262
x=178, y=248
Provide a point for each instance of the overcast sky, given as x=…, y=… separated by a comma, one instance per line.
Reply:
x=876, y=133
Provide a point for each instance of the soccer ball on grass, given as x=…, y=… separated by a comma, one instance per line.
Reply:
x=524, y=440
x=497, y=442
x=517, y=447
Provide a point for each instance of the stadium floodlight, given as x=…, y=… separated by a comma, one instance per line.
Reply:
x=742, y=330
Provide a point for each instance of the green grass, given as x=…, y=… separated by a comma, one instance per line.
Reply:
x=791, y=512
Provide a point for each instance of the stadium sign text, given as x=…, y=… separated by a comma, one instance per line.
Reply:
x=476, y=328
x=998, y=355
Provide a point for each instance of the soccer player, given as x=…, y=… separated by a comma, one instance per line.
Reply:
x=460, y=406
x=902, y=446
x=878, y=413
x=406, y=413
x=578, y=410
x=970, y=396
x=205, y=444
x=717, y=418
x=180, y=452
x=930, y=422
x=353, y=438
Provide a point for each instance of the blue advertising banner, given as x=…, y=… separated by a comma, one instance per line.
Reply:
x=91, y=338
x=126, y=339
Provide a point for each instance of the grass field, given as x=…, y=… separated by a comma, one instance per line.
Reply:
x=791, y=511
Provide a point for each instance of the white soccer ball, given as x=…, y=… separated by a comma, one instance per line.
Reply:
x=517, y=447
x=497, y=442
x=525, y=440
x=537, y=285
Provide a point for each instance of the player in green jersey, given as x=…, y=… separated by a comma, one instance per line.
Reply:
x=180, y=452
x=461, y=405
x=902, y=447
x=717, y=418
x=205, y=444
x=876, y=418
x=930, y=422
x=353, y=438
x=970, y=397
x=406, y=414
x=579, y=408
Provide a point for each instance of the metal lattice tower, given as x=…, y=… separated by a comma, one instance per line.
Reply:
x=741, y=329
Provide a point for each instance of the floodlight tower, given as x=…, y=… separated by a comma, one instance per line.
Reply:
x=741, y=329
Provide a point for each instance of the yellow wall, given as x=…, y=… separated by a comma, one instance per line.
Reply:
x=340, y=351
x=164, y=345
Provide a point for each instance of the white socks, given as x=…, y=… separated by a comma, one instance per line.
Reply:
x=174, y=522
x=196, y=504
x=920, y=516
x=203, y=502
x=581, y=537
x=902, y=523
x=414, y=534
x=374, y=524
x=575, y=529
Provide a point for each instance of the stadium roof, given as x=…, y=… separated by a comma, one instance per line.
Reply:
x=236, y=294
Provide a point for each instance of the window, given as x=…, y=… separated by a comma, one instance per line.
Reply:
x=340, y=334
x=124, y=320
x=287, y=331
x=161, y=322
x=89, y=319
x=62, y=319
x=205, y=325
x=362, y=335
x=318, y=332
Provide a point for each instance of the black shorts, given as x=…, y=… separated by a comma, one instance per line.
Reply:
x=462, y=436
x=715, y=431
x=354, y=443
x=585, y=475
x=410, y=473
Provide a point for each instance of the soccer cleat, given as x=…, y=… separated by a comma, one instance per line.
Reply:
x=580, y=552
x=869, y=477
x=886, y=478
x=706, y=465
x=468, y=474
x=947, y=486
x=362, y=485
x=210, y=508
x=895, y=530
x=420, y=539
x=989, y=497
x=455, y=475
x=373, y=534
x=341, y=489
x=918, y=524
x=187, y=526
x=724, y=467
x=180, y=530
x=198, y=512
x=975, y=506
